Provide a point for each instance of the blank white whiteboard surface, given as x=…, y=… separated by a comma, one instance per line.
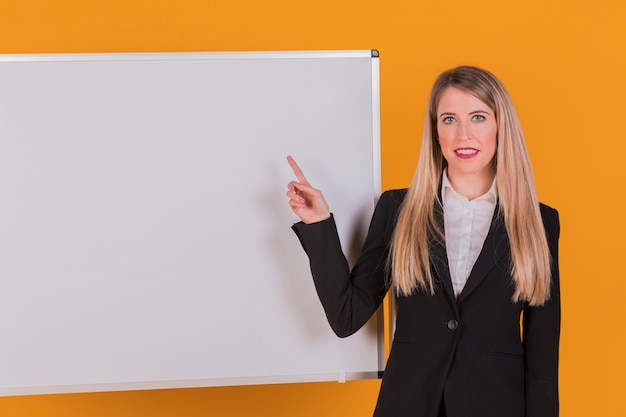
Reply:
x=145, y=236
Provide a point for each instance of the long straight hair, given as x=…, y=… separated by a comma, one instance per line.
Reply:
x=409, y=260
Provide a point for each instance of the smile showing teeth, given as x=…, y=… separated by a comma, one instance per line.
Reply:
x=466, y=151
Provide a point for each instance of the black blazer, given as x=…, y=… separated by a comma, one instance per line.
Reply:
x=467, y=352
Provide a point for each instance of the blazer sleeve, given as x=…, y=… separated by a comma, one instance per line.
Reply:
x=541, y=332
x=349, y=297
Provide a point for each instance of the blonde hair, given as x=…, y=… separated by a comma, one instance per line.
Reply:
x=417, y=226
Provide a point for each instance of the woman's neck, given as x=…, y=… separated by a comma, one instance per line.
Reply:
x=471, y=186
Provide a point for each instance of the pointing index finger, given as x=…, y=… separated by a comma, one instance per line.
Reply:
x=297, y=171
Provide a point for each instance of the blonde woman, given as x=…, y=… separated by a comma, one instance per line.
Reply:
x=468, y=251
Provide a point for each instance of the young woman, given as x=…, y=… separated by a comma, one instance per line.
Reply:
x=469, y=253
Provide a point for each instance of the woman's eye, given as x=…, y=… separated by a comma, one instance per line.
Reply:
x=478, y=117
x=448, y=119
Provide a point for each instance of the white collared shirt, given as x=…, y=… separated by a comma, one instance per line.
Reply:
x=466, y=226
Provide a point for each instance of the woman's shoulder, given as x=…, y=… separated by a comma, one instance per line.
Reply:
x=393, y=197
x=548, y=212
x=389, y=204
x=387, y=211
x=551, y=221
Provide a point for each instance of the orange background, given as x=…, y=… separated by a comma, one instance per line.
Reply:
x=564, y=63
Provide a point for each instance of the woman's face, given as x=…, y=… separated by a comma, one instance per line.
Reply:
x=467, y=131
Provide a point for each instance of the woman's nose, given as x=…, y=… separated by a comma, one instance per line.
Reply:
x=463, y=131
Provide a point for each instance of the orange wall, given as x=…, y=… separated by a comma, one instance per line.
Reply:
x=564, y=63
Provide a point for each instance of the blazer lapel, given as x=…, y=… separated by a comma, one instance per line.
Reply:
x=439, y=259
x=495, y=247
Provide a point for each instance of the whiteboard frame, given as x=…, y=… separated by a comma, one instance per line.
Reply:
x=341, y=376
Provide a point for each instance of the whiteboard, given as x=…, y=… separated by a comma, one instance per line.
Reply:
x=145, y=236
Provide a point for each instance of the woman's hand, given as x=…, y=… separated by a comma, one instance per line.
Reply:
x=307, y=202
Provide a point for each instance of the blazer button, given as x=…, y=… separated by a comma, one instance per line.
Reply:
x=453, y=324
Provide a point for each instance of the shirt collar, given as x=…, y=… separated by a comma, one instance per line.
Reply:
x=446, y=187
